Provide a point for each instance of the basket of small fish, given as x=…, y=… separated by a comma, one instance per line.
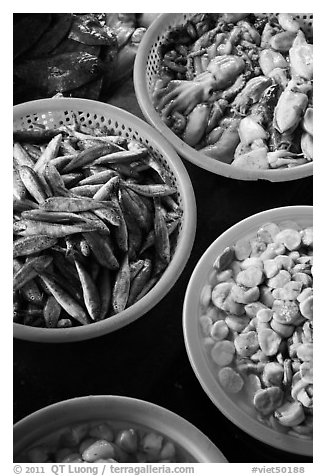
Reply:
x=232, y=92
x=104, y=219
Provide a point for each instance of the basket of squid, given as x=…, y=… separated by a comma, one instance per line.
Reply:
x=232, y=92
x=104, y=219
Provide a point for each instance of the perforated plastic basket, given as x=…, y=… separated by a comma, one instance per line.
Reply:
x=145, y=71
x=55, y=112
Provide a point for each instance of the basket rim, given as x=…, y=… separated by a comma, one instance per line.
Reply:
x=157, y=27
x=192, y=337
x=183, y=247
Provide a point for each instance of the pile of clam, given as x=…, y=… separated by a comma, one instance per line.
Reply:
x=103, y=442
x=257, y=323
x=238, y=88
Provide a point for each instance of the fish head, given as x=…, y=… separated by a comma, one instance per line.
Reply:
x=19, y=226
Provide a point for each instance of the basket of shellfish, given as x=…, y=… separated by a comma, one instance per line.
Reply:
x=238, y=342
x=232, y=92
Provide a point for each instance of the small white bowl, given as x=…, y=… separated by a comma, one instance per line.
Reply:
x=244, y=417
x=50, y=419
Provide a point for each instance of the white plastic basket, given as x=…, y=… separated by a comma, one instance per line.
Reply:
x=145, y=70
x=55, y=112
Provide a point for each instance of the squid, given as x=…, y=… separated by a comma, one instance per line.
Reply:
x=307, y=121
x=291, y=106
x=184, y=95
x=269, y=60
x=307, y=145
x=253, y=152
x=196, y=124
x=251, y=93
x=301, y=57
x=223, y=150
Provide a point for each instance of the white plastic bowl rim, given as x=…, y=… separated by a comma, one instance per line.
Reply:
x=185, y=239
x=303, y=215
x=121, y=409
x=159, y=27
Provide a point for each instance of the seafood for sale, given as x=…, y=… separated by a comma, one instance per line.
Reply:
x=196, y=124
x=290, y=107
x=225, y=69
x=307, y=121
x=250, y=130
x=251, y=93
x=282, y=41
x=288, y=23
x=270, y=59
x=218, y=68
x=253, y=159
x=183, y=96
x=75, y=250
x=225, y=146
x=307, y=145
x=60, y=73
x=263, y=110
x=254, y=151
x=79, y=55
x=301, y=57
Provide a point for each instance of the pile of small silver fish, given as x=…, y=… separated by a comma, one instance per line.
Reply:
x=96, y=218
x=238, y=87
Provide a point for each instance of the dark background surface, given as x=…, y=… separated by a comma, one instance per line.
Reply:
x=147, y=359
